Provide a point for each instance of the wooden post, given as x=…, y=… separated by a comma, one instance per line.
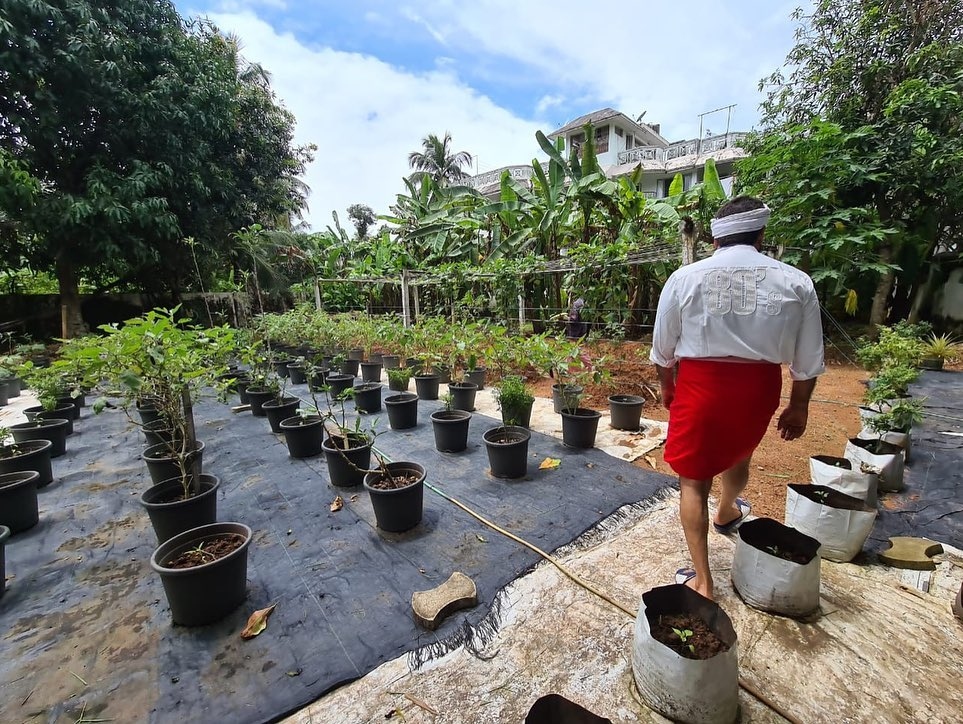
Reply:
x=415, y=294
x=405, y=311
x=521, y=312
x=317, y=293
x=687, y=232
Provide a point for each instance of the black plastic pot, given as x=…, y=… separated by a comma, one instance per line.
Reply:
x=347, y=468
x=170, y=515
x=147, y=412
x=52, y=429
x=18, y=500
x=519, y=415
x=400, y=509
x=402, y=410
x=281, y=366
x=566, y=397
x=297, y=373
x=478, y=376
x=626, y=411
x=277, y=410
x=33, y=455
x=367, y=397
x=162, y=464
x=14, y=384
x=60, y=412
x=338, y=384
x=507, y=451
x=4, y=534
x=303, y=435
x=390, y=361
x=398, y=386
x=242, y=384
x=427, y=386
x=356, y=354
x=4, y=393
x=157, y=432
x=350, y=367
x=206, y=593
x=257, y=396
x=579, y=427
x=64, y=402
x=463, y=395
x=443, y=372
x=371, y=371
x=451, y=430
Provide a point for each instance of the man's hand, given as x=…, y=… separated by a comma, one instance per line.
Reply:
x=668, y=394
x=667, y=383
x=792, y=421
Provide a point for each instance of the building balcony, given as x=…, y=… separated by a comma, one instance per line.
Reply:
x=491, y=178
x=696, y=147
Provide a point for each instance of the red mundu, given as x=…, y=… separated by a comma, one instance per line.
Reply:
x=719, y=414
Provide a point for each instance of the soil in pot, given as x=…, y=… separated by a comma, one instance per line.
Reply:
x=49, y=429
x=402, y=410
x=579, y=427
x=19, y=510
x=694, y=640
x=210, y=582
x=24, y=456
x=397, y=496
x=450, y=428
x=277, y=410
x=303, y=435
x=626, y=411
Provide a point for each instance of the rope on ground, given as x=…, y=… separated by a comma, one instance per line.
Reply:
x=749, y=688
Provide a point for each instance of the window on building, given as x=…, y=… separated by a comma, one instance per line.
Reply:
x=602, y=139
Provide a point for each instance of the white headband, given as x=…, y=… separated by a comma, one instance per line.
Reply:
x=740, y=223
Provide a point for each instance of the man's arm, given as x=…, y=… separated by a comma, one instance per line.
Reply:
x=667, y=383
x=792, y=422
x=665, y=336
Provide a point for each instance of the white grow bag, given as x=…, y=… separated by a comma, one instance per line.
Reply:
x=768, y=582
x=902, y=440
x=688, y=690
x=840, y=522
x=885, y=457
x=845, y=476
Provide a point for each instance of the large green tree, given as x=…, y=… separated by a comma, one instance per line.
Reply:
x=862, y=149
x=438, y=161
x=142, y=130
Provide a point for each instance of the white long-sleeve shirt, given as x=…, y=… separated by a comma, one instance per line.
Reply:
x=741, y=304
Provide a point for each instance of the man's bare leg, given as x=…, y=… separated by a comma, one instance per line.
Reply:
x=734, y=481
x=694, y=513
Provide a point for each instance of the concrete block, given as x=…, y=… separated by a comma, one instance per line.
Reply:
x=432, y=606
x=912, y=553
x=958, y=604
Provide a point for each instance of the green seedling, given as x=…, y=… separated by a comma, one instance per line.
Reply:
x=684, y=635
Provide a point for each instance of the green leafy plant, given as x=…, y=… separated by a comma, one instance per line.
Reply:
x=684, y=635
x=512, y=396
x=400, y=376
x=944, y=347
x=900, y=416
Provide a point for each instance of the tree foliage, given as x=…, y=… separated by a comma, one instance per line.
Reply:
x=438, y=161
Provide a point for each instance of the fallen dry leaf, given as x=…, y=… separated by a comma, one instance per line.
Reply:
x=651, y=461
x=480, y=538
x=549, y=464
x=419, y=702
x=337, y=504
x=257, y=622
x=353, y=498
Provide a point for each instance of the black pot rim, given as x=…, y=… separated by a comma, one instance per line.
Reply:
x=286, y=401
x=146, y=455
x=197, y=534
x=4, y=534
x=27, y=477
x=401, y=465
x=626, y=400
x=449, y=416
x=36, y=446
x=401, y=398
x=581, y=413
x=367, y=387
x=41, y=422
x=522, y=435
x=328, y=447
x=296, y=422
x=212, y=480
x=462, y=385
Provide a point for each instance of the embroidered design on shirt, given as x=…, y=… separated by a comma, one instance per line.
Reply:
x=735, y=290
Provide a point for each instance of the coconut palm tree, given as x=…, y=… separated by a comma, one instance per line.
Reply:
x=438, y=161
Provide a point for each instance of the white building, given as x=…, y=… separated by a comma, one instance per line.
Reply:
x=622, y=145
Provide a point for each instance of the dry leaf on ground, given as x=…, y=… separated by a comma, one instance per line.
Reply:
x=549, y=464
x=337, y=504
x=257, y=622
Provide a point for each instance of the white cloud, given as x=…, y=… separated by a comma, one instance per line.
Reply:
x=366, y=116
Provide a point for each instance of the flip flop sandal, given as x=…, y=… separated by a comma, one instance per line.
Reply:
x=733, y=525
x=684, y=575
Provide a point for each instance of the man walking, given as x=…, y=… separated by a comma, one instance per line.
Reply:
x=724, y=326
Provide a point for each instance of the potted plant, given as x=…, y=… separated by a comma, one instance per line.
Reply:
x=173, y=507
x=397, y=495
x=684, y=656
x=625, y=412
x=463, y=395
x=775, y=568
x=858, y=480
x=514, y=400
x=279, y=409
x=303, y=434
x=204, y=572
x=884, y=458
x=579, y=426
x=371, y=371
x=894, y=425
x=840, y=522
x=31, y=455
x=398, y=379
x=507, y=451
x=52, y=429
x=367, y=397
x=297, y=371
x=346, y=448
x=937, y=350
x=450, y=428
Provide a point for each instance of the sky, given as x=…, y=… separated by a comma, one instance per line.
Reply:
x=367, y=80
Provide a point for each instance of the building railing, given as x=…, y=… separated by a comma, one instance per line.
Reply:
x=520, y=173
x=683, y=148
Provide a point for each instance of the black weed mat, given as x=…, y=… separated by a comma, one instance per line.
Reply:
x=931, y=504
x=86, y=630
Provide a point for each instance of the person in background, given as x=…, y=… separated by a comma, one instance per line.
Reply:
x=575, y=328
x=723, y=328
